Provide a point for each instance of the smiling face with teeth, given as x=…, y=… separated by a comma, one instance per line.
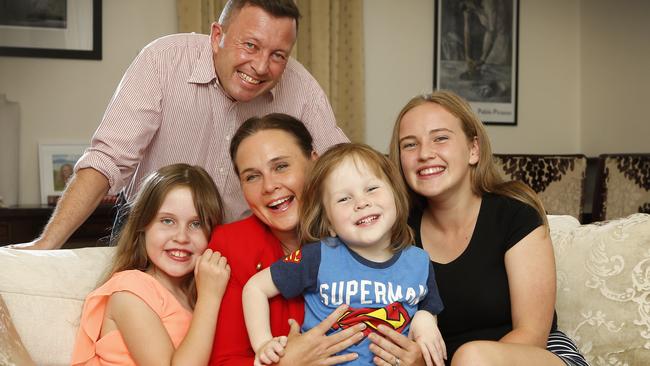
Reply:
x=360, y=208
x=435, y=153
x=175, y=239
x=272, y=169
x=251, y=53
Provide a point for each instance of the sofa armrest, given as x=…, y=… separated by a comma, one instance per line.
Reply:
x=44, y=293
x=603, y=288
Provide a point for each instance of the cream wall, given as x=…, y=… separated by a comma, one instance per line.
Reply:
x=583, y=79
x=583, y=73
x=399, y=65
x=615, y=74
x=399, y=61
x=63, y=100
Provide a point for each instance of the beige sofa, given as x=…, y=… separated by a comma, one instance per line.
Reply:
x=603, y=292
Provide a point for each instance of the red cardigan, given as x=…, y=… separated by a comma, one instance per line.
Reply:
x=247, y=244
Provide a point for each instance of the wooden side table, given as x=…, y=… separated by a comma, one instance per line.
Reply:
x=19, y=224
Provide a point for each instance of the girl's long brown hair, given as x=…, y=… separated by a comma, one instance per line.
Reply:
x=131, y=252
x=314, y=224
x=484, y=175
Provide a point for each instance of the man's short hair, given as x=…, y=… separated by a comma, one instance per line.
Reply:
x=277, y=8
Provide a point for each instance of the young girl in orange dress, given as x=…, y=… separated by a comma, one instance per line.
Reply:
x=161, y=300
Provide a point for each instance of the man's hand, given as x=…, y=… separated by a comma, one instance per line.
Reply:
x=82, y=195
x=37, y=244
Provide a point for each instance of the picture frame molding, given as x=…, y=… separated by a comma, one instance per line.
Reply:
x=478, y=106
x=46, y=167
x=63, y=53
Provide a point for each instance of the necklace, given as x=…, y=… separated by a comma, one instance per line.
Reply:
x=286, y=251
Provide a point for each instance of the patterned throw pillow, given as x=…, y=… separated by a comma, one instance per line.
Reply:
x=603, y=293
x=557, y=179
x=623, y=185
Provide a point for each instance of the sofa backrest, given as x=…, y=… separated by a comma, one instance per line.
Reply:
x=559, y=180
x=44, y=292
x=622, y=186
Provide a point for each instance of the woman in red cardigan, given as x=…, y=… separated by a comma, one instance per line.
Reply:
x=271, y=156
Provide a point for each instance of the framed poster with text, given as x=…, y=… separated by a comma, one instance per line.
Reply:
x=475, y=55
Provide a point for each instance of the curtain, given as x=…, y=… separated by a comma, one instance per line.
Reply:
x=329, y=45
x=198, y=15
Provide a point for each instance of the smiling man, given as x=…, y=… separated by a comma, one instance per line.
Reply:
x=251, y=51
x=182, y=99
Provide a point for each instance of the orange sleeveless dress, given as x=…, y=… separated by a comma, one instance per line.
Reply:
x=90, y=349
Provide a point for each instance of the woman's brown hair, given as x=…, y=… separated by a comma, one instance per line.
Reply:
x=483, y=175
x=131, y=252
x=273, y=121
x=314, y=224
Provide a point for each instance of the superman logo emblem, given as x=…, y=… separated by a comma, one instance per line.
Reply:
x=392, y=315
x=294, y=257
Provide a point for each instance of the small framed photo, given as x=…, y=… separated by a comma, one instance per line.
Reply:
x=51, y=28
x=475, y=55
x=56, y=163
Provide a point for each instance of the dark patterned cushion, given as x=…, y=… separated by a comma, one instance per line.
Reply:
x=623, y=185
x=558, y=179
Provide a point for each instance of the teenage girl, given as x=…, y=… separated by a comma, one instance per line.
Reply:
x=487, y=238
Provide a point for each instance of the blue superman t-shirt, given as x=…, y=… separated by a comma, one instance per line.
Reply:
x=328, y=274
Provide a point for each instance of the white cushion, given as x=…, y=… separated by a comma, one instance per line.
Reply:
x=603, y=292
x=44, y=292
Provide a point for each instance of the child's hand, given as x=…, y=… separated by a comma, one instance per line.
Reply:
x=271, y=351
x=211, y=274
x=424, y=330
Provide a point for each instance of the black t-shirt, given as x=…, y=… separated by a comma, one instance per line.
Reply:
x=474, y=286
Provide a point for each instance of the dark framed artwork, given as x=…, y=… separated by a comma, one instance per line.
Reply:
x=51, y=28
x=475, y=54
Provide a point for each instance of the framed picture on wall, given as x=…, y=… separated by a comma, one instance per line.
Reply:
x=56, y=163
x=475, y=55
x=51, y=28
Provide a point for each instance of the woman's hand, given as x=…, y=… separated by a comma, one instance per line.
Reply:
x=211, y=273
x=315, y=348
x=394, y=349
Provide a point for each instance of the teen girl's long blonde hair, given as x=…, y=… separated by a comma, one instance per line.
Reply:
x=484, y=176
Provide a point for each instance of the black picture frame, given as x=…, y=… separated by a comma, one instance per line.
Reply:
x=476, y=55
x=12, y=36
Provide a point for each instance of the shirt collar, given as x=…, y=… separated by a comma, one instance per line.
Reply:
x=203, y=72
